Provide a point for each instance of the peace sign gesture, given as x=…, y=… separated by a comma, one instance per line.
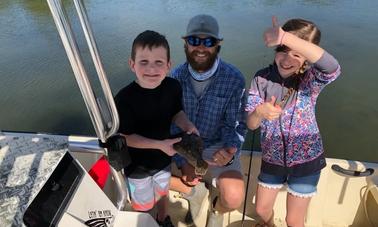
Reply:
x=274, y=36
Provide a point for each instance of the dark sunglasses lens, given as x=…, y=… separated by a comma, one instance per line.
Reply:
x=209, y=42
x=193, y=41
x=196, y=41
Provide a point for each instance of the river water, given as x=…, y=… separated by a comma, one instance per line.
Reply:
x=38, y=91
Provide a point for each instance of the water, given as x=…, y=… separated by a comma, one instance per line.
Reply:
x=39, y=93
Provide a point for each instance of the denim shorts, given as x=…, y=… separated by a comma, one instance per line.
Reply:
x=297, y=186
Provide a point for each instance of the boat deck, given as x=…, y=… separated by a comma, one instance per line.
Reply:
x=27, y=160
x=178, y=207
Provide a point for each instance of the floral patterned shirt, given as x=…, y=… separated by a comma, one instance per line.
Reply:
x=292, y=144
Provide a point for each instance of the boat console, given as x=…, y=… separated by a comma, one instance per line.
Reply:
x=70, y=197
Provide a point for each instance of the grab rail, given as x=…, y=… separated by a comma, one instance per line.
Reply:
x=80, y=73
x=353, y=173
x=104, y=129
x=99, y=68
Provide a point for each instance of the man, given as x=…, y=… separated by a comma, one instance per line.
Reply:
x=213, y=99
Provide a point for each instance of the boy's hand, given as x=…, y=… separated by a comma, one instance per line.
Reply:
x=273, y=36
x=269, y=110
x=223, y=156
x=167, y=146
x=188, y=175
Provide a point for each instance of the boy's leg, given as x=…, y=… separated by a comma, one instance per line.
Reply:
x=161, y=189
x=162, y=208
x=177, y=185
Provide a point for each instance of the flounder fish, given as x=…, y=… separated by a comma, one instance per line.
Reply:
x=191, y=147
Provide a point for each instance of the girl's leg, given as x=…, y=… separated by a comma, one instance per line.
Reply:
x=300, y=189
x=265, y=198
x=296, y=210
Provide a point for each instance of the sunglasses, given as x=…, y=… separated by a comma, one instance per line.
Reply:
x=196, y=41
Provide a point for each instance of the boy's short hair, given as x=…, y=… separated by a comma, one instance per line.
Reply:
x=150, y=39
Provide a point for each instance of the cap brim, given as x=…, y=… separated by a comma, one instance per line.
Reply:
x=202, y=33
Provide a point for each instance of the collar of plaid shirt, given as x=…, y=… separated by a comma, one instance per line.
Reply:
x=205, y=75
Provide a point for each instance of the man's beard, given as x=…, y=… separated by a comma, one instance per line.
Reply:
x=203, y=66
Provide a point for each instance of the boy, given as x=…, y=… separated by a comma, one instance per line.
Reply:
x=147, y=107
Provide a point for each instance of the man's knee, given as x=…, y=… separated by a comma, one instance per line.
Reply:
x=232, y=200
x=231, y=189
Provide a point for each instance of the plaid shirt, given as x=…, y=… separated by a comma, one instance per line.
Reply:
x=219, y=112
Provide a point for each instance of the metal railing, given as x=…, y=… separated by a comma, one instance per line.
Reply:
x=104, y=118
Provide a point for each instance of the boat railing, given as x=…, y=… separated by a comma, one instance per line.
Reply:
x=104, y=116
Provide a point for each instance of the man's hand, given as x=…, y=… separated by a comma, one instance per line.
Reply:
x=188, y=175
x=223, y=156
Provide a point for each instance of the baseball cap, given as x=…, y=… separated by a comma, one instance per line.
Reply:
x=203, y=25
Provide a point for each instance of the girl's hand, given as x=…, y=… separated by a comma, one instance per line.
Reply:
x=273, y=36
x=269, y=110
x=167, y=146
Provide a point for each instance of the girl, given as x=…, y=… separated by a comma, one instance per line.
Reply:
x=282, y=102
